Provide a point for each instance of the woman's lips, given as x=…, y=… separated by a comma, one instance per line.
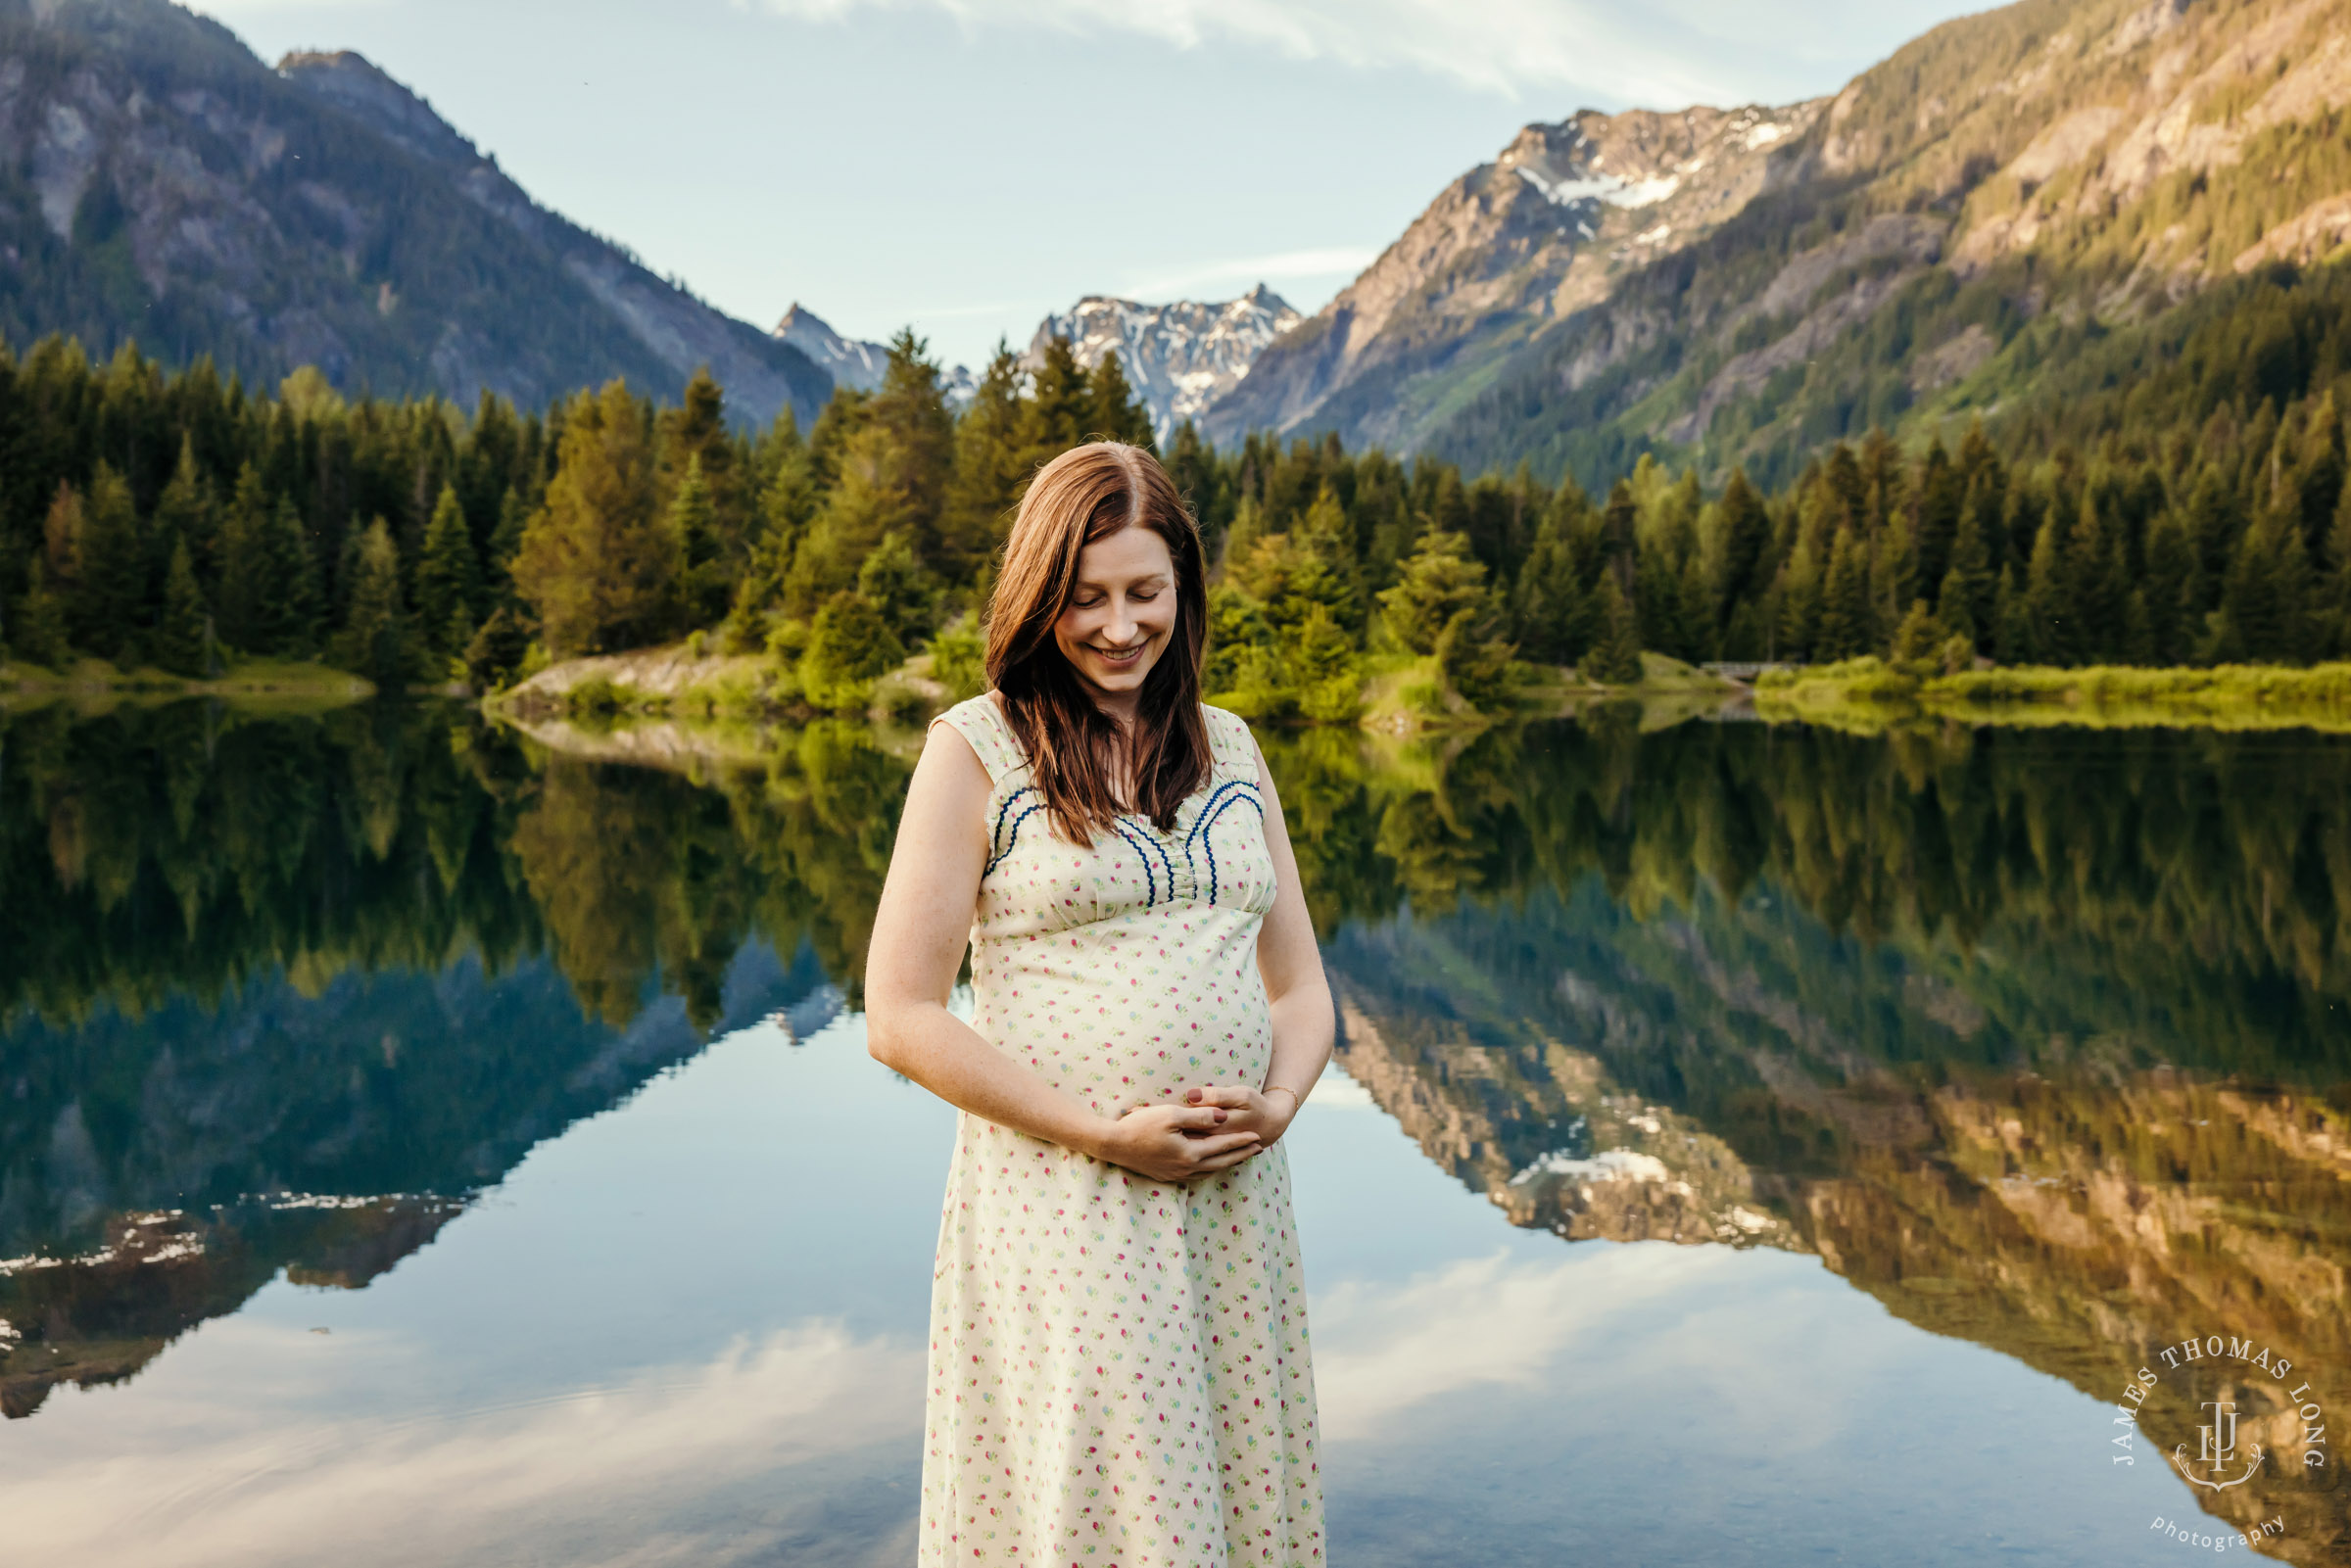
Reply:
x=1122, y=657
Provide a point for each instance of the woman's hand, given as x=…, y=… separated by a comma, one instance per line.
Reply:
x=1268, y=1113
x=1175, y=1142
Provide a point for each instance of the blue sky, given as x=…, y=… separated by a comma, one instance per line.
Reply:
x=966, y=166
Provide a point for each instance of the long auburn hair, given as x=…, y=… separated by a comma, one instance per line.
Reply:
x=1089, y=494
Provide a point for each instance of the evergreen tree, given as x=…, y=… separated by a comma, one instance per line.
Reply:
x=37, y=634
x=595, y=561
x=849, y=647
x=1745, y=533
x=1116, y=413
x=1440, y=582
x=1845, y=611
x=268, y=602
x=185, y=511
x=448, y=582
x=110, y=618
x=699, y=574
x=1968, y=588
x=375, y=640
x=1918, y=640
x=2047, y=609
x=183, y=642
x=1615, y=660
x=897, y=585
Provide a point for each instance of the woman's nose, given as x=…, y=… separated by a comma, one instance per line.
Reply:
x=1121, y=623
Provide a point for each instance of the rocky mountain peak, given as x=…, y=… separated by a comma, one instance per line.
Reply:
x=1537, y=234
x=1181, y=357
x=353, y=84
x=851, y=362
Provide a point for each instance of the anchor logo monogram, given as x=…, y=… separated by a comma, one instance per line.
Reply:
x=2217, y=1450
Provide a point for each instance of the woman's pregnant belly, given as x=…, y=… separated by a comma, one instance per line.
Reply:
x=1131, y=1018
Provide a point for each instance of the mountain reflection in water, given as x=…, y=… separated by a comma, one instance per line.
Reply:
x=2041, y=1039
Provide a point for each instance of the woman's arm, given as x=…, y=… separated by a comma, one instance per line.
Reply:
x=919, y=935
x=1297, y=994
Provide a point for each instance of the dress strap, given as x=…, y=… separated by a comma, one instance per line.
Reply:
x=983, y=725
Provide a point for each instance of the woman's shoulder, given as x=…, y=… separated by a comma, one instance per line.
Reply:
x=1230, y=739
x=981, y=723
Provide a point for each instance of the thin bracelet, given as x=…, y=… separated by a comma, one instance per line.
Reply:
x=1283, y=1089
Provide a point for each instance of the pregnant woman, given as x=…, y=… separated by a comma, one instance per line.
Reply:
x=1118, y=1368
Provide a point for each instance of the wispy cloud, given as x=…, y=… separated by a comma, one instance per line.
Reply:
x=1507, y=47
x=1336, y=261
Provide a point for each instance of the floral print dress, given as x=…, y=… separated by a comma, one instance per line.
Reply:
x=1118, y=1366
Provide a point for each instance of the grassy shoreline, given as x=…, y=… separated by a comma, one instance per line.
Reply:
x=1870, y=695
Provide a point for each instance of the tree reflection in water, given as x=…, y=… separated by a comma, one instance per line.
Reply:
x=2037, y=1037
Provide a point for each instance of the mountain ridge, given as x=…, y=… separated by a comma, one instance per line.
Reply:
x=1939, y=233
x=159, y=183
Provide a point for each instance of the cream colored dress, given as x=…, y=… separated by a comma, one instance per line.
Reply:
x=1119, y=1370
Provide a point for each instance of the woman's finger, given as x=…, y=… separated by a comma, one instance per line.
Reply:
x=1228, y=1161
x=1231, y=1096
x=1210, y=1148
x=1191, y=1118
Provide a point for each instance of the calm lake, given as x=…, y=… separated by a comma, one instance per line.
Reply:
x=1747, y=1145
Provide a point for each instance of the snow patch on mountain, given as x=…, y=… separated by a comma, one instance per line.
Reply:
x=858, y=363
x=1179, y=357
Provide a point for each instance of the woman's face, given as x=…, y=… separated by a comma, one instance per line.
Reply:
x=1118, y=622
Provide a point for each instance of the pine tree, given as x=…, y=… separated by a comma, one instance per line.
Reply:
x=850, y=647
x=448, y=582
x=699, y=575
x=114, y=589
x=1918, y=640
x=2170, y=593
x=1745, y=533
x=2048, y=611
x=1551, y=613
x=1845, y=611
x=268, y=583
x=185, y=511
x=1440, y=580
x=183, y=642
x=898, y=586
x=1942, y=489
x=38, y=632
x=376, y=641
x=595, y=560
x=1114, y=412
x=1615, y=660
x=1968, y=588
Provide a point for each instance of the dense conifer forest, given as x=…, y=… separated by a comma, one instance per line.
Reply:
x=2180, y=501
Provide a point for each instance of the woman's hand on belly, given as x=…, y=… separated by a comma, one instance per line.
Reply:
x=1174, y=1142
x=1248, y=1110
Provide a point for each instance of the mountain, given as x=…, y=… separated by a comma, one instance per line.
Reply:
x=1505, y=251
x=158, y=182
x=858, y=363
x=849, y=361
x=1938, y=241
x=1180, y=358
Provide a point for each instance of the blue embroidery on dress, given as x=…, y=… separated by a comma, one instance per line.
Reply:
x=1136, y=843
x=998, y=858
x=1142, y=839
x=1208, y=814
x=1208, y=809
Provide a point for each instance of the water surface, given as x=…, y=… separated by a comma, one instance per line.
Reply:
x=1749, y=1146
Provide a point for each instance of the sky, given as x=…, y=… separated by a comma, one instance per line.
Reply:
x=965, y=166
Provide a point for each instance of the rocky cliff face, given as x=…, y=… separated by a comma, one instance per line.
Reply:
x=159, y=183
x=1613, y=284
x=1510, y=247
x=1181, y=357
